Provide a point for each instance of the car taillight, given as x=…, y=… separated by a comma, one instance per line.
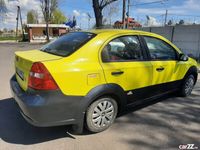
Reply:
x=40, y=78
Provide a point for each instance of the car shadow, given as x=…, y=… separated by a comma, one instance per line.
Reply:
x=14, y=129
x=171, y=122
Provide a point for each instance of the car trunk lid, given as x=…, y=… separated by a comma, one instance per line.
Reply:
x=24, y=61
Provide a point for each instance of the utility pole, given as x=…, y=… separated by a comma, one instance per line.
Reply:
x=47, y=18
x=124, y=13
x=128, y=13
x=17, y=22
x=89, y=18
x=110, y=12
x=88, y=23
x=19, y=16
x=166, y=14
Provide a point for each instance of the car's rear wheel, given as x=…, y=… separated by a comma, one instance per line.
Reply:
x=187, y=86
x=101, y=114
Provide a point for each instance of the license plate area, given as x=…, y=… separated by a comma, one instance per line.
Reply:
x=20, y=73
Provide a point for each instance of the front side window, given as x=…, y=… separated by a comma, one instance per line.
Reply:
x=68, y=43
x=126, y=48
x=160, y=50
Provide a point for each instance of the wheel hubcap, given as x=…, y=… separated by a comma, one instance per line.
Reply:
x=189, y=86
x=103, y=114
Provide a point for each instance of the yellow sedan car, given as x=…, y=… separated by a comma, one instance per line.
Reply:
x=88, y=78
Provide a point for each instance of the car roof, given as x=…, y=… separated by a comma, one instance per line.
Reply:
x=116, y=31
x=112, y=32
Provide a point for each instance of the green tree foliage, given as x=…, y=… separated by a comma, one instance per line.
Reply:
x=53, y=5
x=32, y=17
x=58, y=17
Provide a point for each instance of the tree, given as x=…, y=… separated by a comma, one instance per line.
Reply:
x=5, y=30
x=170, y=22
x=58, y=17
x=32, y=17
x=1, y=32
x=53, y=5
x=48, y=7
x=110, y=11
x=3, y=8
x=98, y=6
x=181, y=22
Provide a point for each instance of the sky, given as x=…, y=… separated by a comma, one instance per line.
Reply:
x=177, y=9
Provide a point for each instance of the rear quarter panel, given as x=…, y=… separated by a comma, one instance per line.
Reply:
x=80, y=72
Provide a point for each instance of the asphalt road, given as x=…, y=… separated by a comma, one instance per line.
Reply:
x=163, y=124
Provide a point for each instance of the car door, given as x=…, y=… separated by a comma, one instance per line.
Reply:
x=124, y=63
x=164, y=59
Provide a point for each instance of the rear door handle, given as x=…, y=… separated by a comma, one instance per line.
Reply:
x=117, y=72
x=160, y=69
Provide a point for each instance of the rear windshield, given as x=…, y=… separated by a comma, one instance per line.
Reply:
x=68, y=43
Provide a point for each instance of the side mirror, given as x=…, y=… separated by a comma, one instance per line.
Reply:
x=183, y=57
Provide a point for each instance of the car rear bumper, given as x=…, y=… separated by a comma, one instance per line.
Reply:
x=47, y=108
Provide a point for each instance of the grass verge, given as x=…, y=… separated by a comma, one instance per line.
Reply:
x=7, y=38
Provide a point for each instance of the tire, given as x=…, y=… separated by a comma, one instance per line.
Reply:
x=187, y=86
x=101, y=114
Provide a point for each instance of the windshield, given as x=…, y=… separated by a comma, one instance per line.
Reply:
x=68, y=43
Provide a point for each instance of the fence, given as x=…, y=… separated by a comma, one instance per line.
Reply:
x=186, y=37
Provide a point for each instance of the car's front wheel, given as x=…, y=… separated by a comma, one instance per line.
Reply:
x=101, y=114
x=187, y=86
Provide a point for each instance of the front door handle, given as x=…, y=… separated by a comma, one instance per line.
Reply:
x=117, y=72
x=160, y=69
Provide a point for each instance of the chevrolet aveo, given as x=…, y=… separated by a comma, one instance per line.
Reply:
x=88, y=78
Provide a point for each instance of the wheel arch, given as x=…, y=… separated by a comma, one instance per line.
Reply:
x=111, y=90
x=192, y=71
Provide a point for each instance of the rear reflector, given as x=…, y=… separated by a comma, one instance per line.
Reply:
x=40, y=78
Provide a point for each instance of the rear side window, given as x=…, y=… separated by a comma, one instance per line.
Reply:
x=68, y=43
x=126, y=48
x=160, y=50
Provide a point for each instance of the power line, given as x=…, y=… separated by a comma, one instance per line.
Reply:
x=183, y=15
x=149, y=3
